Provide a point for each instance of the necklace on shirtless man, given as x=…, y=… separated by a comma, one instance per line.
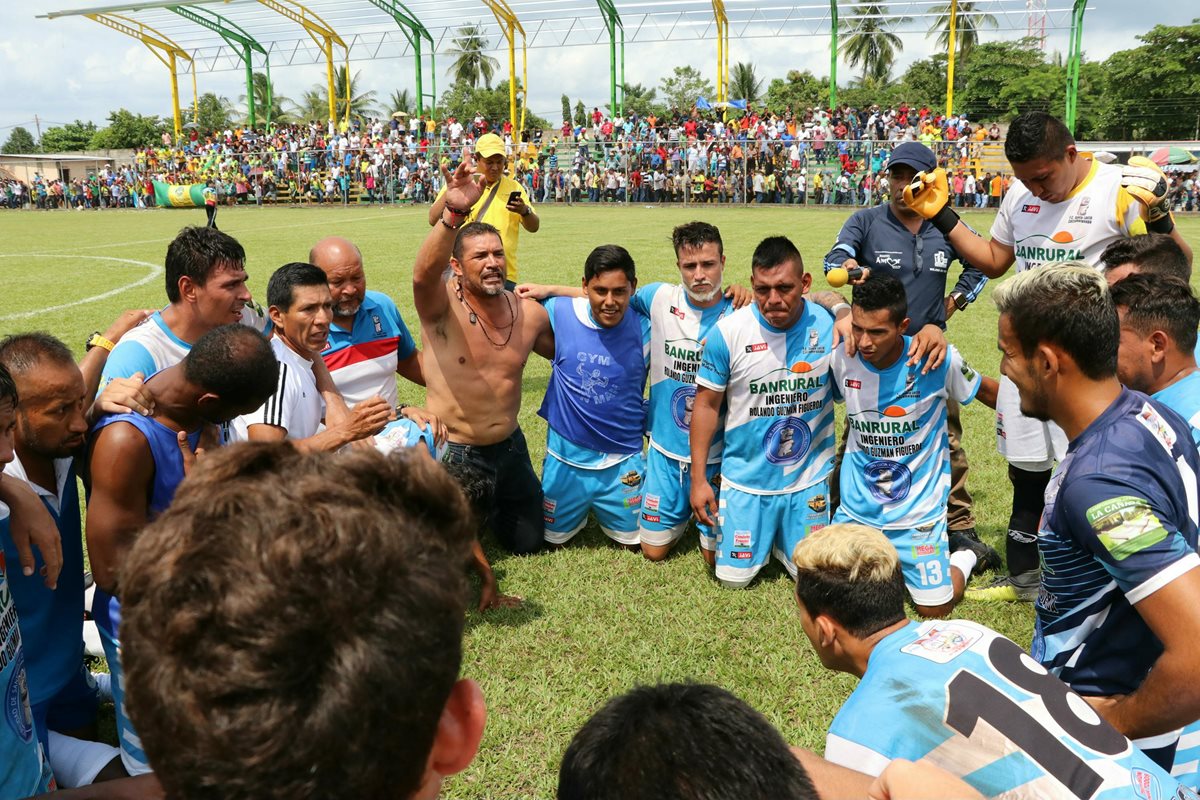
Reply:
x=475, y=319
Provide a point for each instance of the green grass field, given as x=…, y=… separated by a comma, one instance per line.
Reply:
x=597, y=619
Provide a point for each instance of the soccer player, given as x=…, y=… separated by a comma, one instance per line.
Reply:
x=895, y=474
x=893, y=239
x=952, y=692
x=503, y=203
x=1063, y=205
x=301, y=310
x=24, y=769
x=136, y=462
x=478, y=337
x=206, y=288
x=1153, y=253
x=316, y=649
x=1159, y=316
x=1117, y=616
x=593, y=404
x=769, y=363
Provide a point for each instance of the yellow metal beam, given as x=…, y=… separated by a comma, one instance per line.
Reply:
x=950, y=59
x=722, y=50
x=511, y=26
x=324, y=37
x=164, y=50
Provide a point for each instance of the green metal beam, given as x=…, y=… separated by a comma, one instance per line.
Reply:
x=414, y=31
x=612, y=22
x=1073, y=61
x=833, y=53
x=237, y=37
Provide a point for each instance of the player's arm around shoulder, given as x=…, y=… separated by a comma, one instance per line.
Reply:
x=121, y=469
x=537, y=324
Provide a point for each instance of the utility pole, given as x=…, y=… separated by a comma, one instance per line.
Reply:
x=37, y=123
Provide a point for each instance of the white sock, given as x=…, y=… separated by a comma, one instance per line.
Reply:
x=76, y=762
x=965, y=561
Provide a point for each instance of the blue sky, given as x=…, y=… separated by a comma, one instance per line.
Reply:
x=72, y=68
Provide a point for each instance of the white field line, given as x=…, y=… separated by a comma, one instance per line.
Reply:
x=154, y=271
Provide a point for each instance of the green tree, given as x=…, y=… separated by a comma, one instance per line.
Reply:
x=126, y=129
x=566, y=108
x=214, y=113
x=988, y=70
x=581, y=117
x=744, y=84
x=798, y=91
x=401, y=100
x=640, y=99
x=924, y=82
x=68, y=138
x=870, y=44
x=465, y=101
x=684, y=85
x=966, y=27
x=472, y=65
x=19, y=141
x=262, y=87
x=1154, y=89
x=865, y=92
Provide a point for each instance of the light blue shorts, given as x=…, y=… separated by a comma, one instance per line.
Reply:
x=750, y=527
x=924, y=558
x=666, y=501
x=614, y=494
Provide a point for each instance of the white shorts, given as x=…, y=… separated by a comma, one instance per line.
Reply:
x=1025, y=442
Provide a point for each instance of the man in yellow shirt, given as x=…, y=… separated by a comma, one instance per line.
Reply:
x=504, y=203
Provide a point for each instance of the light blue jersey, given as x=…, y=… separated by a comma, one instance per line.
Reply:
x=973, y=703
x=896, y=471
x=779, y=422
x=1183, y=397
x=677, y=327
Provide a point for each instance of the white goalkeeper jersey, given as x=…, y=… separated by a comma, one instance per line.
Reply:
x=1098, y=212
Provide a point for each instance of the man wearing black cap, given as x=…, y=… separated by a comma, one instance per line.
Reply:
x=894, y=239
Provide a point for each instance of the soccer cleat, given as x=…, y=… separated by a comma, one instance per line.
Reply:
x=1005, y=590
x=987, y=559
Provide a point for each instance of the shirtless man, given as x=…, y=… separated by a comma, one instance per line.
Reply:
x=478, y=337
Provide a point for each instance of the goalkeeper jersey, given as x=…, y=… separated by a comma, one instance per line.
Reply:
x=972, y=702
x=1096, y=213
x=896, y=471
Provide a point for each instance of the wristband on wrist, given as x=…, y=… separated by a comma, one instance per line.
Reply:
x=98, y=340
x=837, y=309
x=945, y=220
x=458, y=212
x=1162, y=224
x=461, y=222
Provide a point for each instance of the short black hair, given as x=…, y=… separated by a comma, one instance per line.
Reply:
x=696, y=234
x=1036, y=134
x=470, y=231
x=882, y=291
x=232, y=361
x=862, y=607
x=196, y=253
x=1155, y=302
x=285, y=279
x=680, y=742
x=1154, y=252
x=609, y=257
x=8, y=387
x=773, y=251
x=24, y=352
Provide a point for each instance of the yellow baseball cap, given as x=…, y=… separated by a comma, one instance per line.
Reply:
x=489, y=145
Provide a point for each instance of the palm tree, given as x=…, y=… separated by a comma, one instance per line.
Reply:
x=263, y=87
x=870, y=42
x=744, y=85
x=401, y=100
x=637, y=98
x=966, y=26
x=313, y=105
x=471, y=63
x=362, y=104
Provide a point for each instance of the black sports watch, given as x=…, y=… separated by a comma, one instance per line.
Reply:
x=960, y=300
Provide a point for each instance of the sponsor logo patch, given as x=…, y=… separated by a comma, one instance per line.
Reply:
x=924, y=550
x=652, y=502
x=1144, y=784
x=678, y=313
x=944, y=642
x=651, y=517
x=1125, y=525
x=741, y=538
x=756, y=348
x=549, y=505
x=853, y=384
x=1030, y=208
x=631, y=478
x=741, y=555
x=818, y=503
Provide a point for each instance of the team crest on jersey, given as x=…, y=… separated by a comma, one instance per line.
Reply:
x=943, y=643
x=16, y=695
x=786, y=441
x=1152, y=421
x=682, y=403
x=814, y=342
x=1144, y=785
x=631, y=478
x=888, y=481
x=910, y=386
x=818, y=503
x=1081, y=216
x=378, y=324
x=940, y=261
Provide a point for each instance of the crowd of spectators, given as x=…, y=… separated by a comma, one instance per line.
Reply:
x=817, y=156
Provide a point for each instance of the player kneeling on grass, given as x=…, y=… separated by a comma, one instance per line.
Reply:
x=896, y=471
x=657, y=743
x=953, y=692
x=593, y=404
